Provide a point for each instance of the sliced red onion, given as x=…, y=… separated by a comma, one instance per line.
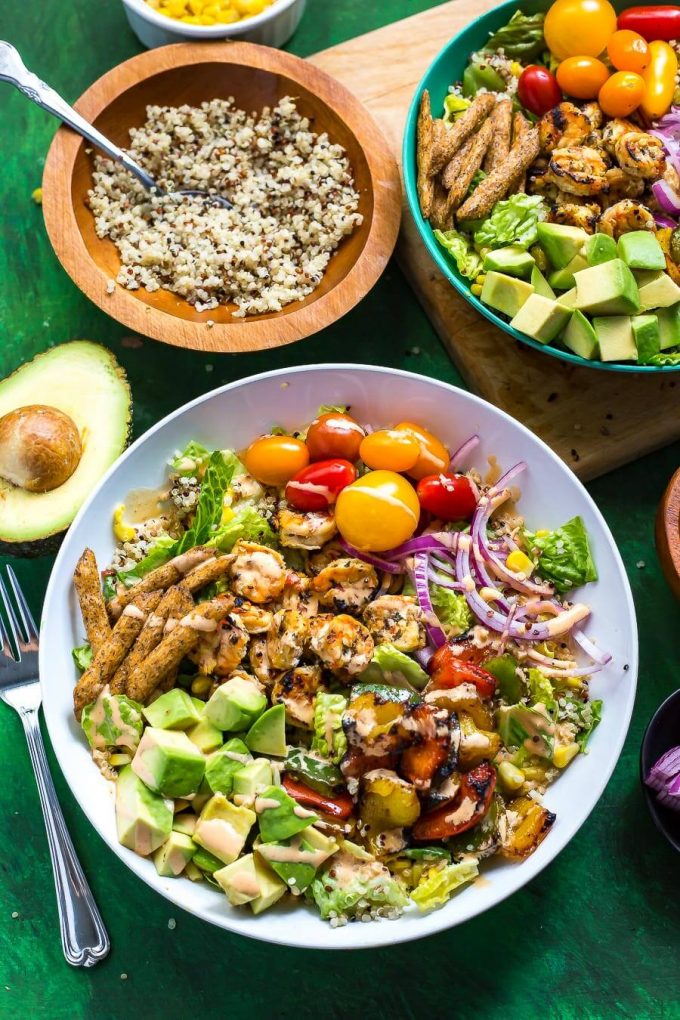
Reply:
x=463, y=452
x=505, y=636
x=665, y=221
x=670, y=796
x=550, y=660
x=485, y=580
x=667, y=198
x=423, y=656
x=421, y=581
x=665, y=769
x=591, y=650
x=375, y=561
x=440, y=540
x=487, y=506
x=511, y=473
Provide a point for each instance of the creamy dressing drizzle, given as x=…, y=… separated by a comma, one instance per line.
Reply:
x=188, y=560
x=292, y=854
x=385, y=497
x=196, y=622
x=265, y=804
x=235, y=756
x=220, y=837
x=301, y=812
x=134, y=612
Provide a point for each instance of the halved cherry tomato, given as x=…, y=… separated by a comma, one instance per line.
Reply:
x=272, y=460
x=339, y=806
x=582, y=77
x=574, y=27
x=390, y=449
x=538, y=90
x=334, y=435
x=621, y=94
x=449, y=497
x=317, y=486
x=628, y=51
x=447, y=670
x=476, y=790
x=652, y=22
x=659, y=80
x=378, y=511
x=433, y=454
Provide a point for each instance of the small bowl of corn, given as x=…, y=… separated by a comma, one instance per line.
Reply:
x=159, y=22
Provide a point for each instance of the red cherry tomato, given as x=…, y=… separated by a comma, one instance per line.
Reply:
x=447, y=670
x=317, y=486
x=538, y=90
x=652, y=22
x=449, y=497
x=334, y=435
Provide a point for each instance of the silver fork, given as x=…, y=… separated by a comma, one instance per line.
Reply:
x=83, y=935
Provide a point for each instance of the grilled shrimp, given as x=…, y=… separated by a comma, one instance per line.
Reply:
x=613, y=130
x=331, y=551
x=396, y=619
x=257, y=573
x=641, y=155
x=255, y=619
x=298, y=595
x=296, y=690
x=232, y=647
x=575, y=214
x=246, y=487
x=342, y=643
x=286, y=638
x=621, y=185
x=305, y=531
x=563, y=126
x=259, y=660
x=594, y=114
x=578, y=171
x=625, y=216
x=346, y=585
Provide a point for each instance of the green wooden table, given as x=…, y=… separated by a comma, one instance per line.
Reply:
x=597, y=934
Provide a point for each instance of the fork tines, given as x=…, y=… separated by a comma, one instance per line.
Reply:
x=20, y=622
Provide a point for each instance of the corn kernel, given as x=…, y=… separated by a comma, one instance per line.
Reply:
x=201, y=685
x=123, y=532
x=542, y=533
x=476, y=289
x=36, y=195
x=510, y=776
x=119, y=759
x=516, y=68
x=519, y=563
x=209, y=12
x=481, y=278
x=563, y=754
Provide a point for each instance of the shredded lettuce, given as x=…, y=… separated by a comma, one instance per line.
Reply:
x=540, y=689
x=328, y=712
x=208, y=515
x=109, y=586
x=332, y=408
x=565, y=558
x=459, y=247
x=365, y=882
x=82, y=656
x=163, y=549
x=453, y=107
x=511, y=221
x=190, y=460
x=113, y=721
x=390, y=666
x=451, y=608
x=246, y=523
x=666, y=358
x=438, y=883
x=522, y=37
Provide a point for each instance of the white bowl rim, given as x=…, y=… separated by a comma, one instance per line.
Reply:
x=385, y=933
x=142, y=8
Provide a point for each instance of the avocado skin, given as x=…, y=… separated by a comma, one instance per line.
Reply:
x=48, y=545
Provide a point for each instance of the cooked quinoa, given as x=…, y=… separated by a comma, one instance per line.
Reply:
x=292, y=193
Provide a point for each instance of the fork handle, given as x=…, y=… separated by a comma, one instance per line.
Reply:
x=83, y=935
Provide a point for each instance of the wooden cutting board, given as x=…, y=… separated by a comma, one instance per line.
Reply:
x=594, y=420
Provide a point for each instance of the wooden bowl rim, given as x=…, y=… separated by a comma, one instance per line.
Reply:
x=668, y=533
x=257, y=333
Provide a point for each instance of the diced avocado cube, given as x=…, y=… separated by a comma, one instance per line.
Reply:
x=252, y=778
x=541, y=318
x=607, y=289
x=657, y=290
x=513, y=260
x=174, y=710
x=267, y=735
x=112, y=721
x=173, y=857
x=271, y=888
x=640, y=249
x=540, y=284
x=279, y=816
x=206, y=861
x=143, y=819
x=223, y=828
x=194, y=873
x=568, y=299
x=205, y=736
x=168, y=763
x=561, y=242
x=202, y=797
x=669, y=326
x=322, y=844
x=580, y=337
x=563, y=279
x=296, y=860
x=600, y=248
x=239, y=880
x=236, y=704
x=223, y=764
x=615, y=337
x=505, y=293
x=646, y=336
x=185, y=823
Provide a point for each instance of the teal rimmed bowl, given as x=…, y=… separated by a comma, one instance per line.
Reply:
x=446, y=69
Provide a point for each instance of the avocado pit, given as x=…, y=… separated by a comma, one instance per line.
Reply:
x=40, y=447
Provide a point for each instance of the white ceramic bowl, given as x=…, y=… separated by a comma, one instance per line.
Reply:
x=273, y=27
x=232, y=416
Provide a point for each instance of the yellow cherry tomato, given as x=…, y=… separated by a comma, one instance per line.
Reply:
x=628, y=51
x=582, y=77
x=434, y=456
x=390, y=449
x=579, y=27
x=621, y=94
x=378, y=511
x=273, y=460
x=659, y=80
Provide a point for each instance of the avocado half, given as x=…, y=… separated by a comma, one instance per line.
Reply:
x=84, y=380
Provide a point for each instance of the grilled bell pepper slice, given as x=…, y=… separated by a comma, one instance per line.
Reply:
x=447, y=670
x=340, y=805
x=467, y=808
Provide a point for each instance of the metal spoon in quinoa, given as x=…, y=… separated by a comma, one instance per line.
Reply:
x=13, y=70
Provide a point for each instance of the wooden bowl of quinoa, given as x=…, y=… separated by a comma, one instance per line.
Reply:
x=315, y=196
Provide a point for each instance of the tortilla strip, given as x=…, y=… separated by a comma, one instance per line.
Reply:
x=520, y=126
x=161, y=578
x=424, y=141
x=501, y=120
x=207, y=572
x=176, y=602
x=143, y=680
x=113, y=651
x=460, y=131
x=92, y=606
x=438, y=217
x=459, y=172
x=500, y=180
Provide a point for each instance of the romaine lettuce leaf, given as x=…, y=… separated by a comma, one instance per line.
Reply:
x=459, y=247
x=479, y=74
x=328, y=711
x=246, y=523
x=113, y=720
x=565, y=558
x=208, y=515
x=438, y=883
x=82, y=656
x=541, y=689
x=163, y=549
x=390, y=666
x=452, y=610
x=511, y=221
x=522, y=37
x=585, y=715
x=362, y=882
x=190, y=460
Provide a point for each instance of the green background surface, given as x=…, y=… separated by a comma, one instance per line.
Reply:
x=597, y=934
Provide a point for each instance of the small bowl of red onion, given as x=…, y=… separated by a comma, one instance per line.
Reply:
x=660, y=768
